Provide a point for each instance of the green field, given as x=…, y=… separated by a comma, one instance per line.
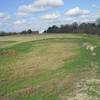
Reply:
x=50, y=67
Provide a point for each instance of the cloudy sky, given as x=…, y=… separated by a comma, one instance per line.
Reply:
x=18, y=15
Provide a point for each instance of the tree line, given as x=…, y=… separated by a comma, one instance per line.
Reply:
x=25, y=32
x=89, y=28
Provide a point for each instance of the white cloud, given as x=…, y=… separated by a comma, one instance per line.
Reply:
x=50, y=3
x=50, y=16
x=19, y=25
x=39, y=5
x=19, y=22
x=4, y=16
x=26, y=9
x=77, y=12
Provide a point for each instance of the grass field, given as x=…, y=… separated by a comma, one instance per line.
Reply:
x=50, y=67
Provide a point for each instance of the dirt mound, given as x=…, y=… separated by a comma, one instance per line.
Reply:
x=8, y=53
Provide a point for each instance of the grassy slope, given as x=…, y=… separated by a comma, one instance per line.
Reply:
x=46, y=67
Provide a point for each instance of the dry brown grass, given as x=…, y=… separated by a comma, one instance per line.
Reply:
x=8, y=53
x=53, y=85
x=51, y=58
x=22, y=38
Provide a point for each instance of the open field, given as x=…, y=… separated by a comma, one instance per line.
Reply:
x=50, y=67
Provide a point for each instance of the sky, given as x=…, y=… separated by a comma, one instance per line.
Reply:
x=18, y=15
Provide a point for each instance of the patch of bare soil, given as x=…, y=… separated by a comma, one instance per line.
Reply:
x=85, y=90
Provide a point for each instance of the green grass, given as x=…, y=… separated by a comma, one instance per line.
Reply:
x=46, y=67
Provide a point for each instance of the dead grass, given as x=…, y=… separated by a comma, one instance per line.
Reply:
x=24, y=38
x=51, y=58
x=48, y=87
x=45, y=71
x=8, y=53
